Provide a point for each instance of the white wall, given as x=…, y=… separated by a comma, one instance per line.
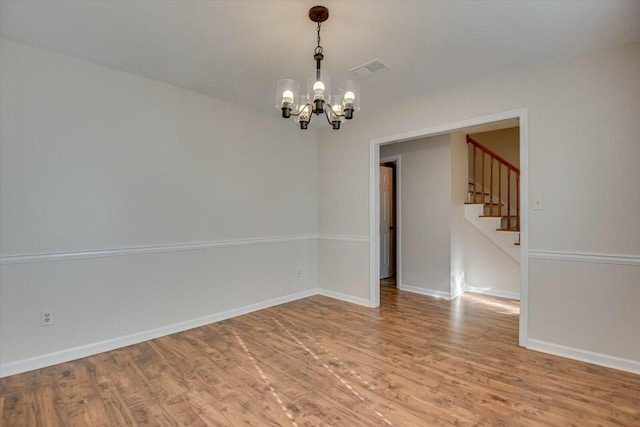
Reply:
x=488, y=268
x=583, y=150
x=433, y=174
x=94, y=159
x=459, y=188
x=425, y=173
x=344, y=236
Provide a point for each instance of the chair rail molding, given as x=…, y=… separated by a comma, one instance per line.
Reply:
x=598, y=258
x=178, y=247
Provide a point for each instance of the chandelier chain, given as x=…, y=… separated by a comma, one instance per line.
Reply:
x=319, y=48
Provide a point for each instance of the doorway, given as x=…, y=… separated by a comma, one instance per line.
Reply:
x=374, y=223
x=388, y=221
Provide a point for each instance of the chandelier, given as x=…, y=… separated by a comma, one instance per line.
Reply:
x=318, y=100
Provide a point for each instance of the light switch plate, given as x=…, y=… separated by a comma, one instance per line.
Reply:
x=538, y=203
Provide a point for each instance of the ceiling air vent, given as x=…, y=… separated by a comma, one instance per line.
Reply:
x=370, y=68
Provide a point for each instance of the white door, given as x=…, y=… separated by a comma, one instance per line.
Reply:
x=386, y=221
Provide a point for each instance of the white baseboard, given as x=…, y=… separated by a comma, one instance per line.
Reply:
x=458, y=292
x=423, y=291
x=343, y=297
x=600, y=359
x=67, y=355
x=493, y=292
x=50, y=359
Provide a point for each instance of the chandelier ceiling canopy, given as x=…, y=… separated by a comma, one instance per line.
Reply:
x=318, y=99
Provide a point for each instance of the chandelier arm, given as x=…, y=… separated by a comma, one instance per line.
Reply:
x=334, y=113
x=301, y=110
x=326, y=113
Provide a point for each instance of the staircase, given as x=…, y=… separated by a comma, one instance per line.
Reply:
x=493, y=198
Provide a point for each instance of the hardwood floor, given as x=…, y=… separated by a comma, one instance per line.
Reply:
x=415, y=361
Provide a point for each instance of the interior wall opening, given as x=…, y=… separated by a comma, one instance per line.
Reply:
x=516, y=121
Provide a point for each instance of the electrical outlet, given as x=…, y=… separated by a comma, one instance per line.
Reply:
x=299, y=272
x=46, y=317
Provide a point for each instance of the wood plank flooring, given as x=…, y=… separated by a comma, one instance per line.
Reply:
x=415, y=361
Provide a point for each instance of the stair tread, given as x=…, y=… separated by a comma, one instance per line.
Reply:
x=515, y=230
x=498, y=216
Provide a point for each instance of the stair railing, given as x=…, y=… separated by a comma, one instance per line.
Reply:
x=487, y=158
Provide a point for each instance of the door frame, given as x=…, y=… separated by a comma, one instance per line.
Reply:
x=398, y=217
x=374, y=203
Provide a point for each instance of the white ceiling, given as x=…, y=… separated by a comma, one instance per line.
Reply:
x=237, y=50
